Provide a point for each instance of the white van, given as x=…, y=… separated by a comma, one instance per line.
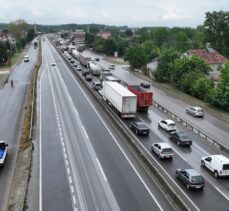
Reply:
x=218, y=164
x=26, y=58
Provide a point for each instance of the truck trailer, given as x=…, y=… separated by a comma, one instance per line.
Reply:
x=144, y=99
x=84, y=60
x=123, y=102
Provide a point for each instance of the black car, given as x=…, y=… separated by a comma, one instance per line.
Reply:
x=139, y=128
x=72, y=61
x=145, y=84
x=191, y=178
x=97, y=59
x=181, y=138
x=85, y=72
x=88, y=77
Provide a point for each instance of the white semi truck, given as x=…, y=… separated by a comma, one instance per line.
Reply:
x=123, y=101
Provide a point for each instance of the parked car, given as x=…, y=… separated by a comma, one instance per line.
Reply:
x=181, y=138
x=167, y=125
x=191, y=178
x=88, y=77
x=79, y=68
x=140, y=128
x=162, y=150
x=85, y=72
x=145, y=84
x=218, y=164
x=195, y=111
x=96, y=85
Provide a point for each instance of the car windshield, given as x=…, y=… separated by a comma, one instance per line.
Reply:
x=184, y=136
x=172, y=124
x=197, y=179
x=226, y=167
x=199, y=110
x=141, y=125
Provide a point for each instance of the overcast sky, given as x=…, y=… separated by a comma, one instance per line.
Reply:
x=111, y=12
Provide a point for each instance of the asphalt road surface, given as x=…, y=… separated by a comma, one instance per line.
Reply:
x=84, y=164
x=11, y=110
x=215, y=190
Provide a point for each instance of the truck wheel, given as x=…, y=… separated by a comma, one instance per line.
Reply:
x=216, y=174
x=136, y=132
x=202, y=163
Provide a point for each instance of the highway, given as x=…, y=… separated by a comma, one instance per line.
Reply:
x=214, y=127
x=11, y=110
x=215, y=190
x=84, y=163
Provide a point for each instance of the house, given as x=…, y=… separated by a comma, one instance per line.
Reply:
x=104, y=34
x=152, y=66
x=211, y=57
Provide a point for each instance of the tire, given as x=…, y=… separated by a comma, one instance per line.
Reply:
x=202, y=163
x=188, y=187
x=176, y=175
x=178, y=143
x=136, y=132
x=216, y=174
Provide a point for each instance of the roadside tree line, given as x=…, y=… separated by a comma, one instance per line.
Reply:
x=19, y=34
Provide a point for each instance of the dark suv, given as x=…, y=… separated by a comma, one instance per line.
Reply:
x=191, y=178
x=96, y=85
x=85, y=72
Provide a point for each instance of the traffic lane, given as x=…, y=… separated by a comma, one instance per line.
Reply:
x=209, y=124
x=201, y=199
x=11, y=109
x=96, y=192
x=96, y=132
x=193, y=155
x=55, y=188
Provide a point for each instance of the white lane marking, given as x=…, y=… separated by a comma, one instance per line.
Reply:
x=66, y=162
x=70, y=179
x=65, y=155
x=72, y=188
x=221, y=192
x=148, y=190
x=85, y=132
x=74, y=200
x=101, y=169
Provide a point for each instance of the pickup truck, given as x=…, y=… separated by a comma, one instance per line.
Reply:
x=3, y=152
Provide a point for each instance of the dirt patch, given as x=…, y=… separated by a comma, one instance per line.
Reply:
x=114, y=60
x=4, y=75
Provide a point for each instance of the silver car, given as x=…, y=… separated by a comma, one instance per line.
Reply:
x=195, y=111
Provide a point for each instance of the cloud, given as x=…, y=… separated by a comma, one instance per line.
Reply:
x=174, y=16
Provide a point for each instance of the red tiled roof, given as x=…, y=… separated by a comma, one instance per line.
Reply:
x=209, y=57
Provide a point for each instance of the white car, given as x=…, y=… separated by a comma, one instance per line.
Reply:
x=167, y=125
x=162, y=150
x=53, y=64
x=218, y=164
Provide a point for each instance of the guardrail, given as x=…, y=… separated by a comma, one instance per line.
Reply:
x=192, y=128
x=152, y=168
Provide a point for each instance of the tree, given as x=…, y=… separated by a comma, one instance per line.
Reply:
x=110, y=46
x=129, y=33
x=160, y=36
x=165, y=61
x=3, y=53
x=182, y=66
x=16, y=28
x=135, y=55
x=98, y=45
x=30, y=35
x=201, y=87
x=150, y=50
x=90, y=39
x=216, y=30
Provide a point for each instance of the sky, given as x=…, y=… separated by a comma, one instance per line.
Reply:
x=134, y=13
